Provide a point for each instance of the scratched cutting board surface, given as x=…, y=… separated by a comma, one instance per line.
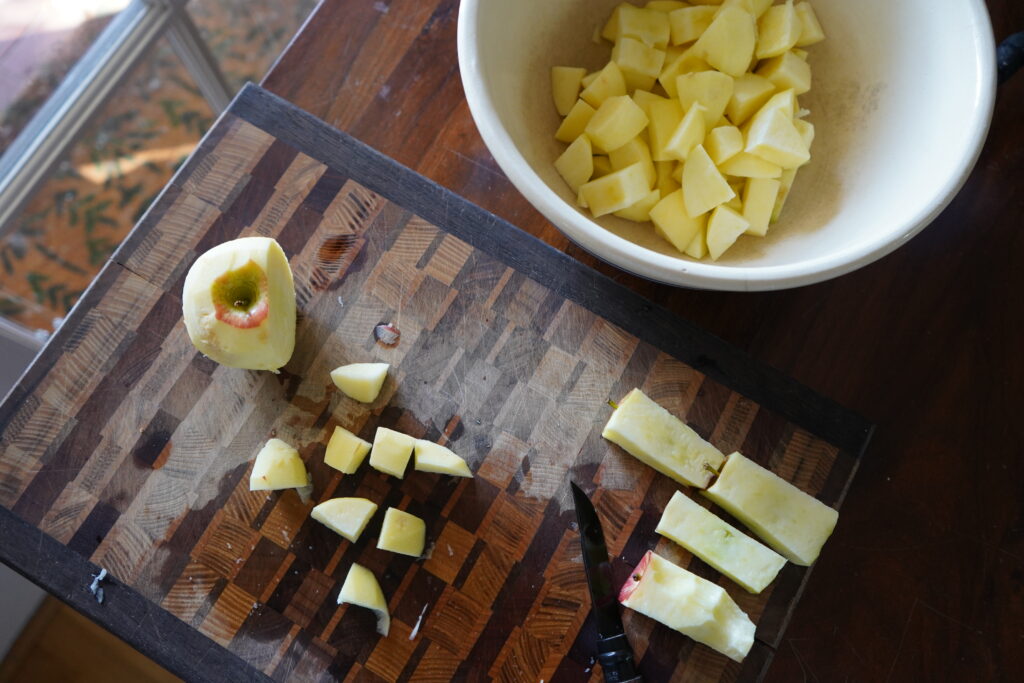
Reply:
x=133, y=451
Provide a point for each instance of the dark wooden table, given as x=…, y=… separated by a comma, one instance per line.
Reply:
x=924, y=578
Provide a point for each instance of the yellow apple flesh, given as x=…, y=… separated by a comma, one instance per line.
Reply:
x=362, y=589
x=402, y=533
x=345, y=516
x=432, y=457
x=720, y=544
x=361, y=381
x=655, y=436
x=792, y=522
x=239, y=304
x=691, y=605
x=345, y=451
x=278, y=466
x=391, y=451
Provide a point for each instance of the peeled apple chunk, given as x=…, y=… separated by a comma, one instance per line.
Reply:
x=810, y=29
x=687, y=23
x=778, y=30
x=361, y=589
x=615, y=191
x=278, y=466
x=672, y=222
x=720, y=544
x=345, y=516
x=728, y=43
x=724, y=226
x=431, y=457
x=698, y=98
x=576, y=165
x=689, y=604
x=238, y=303
x=795, y=524
x=617, y=121
x=773, y=137
x=345, y=451
x=402, y=533
x=565, y=86
x=656, y=437
x=361, y=381
x=391, y=451
x=758, y=201
x=704, y=187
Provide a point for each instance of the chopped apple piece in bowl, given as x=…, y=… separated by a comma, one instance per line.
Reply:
x=238, y=303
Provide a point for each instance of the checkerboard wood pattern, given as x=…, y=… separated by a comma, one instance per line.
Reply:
x=133, y=450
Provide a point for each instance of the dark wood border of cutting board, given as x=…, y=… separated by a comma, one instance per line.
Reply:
x=183, y=650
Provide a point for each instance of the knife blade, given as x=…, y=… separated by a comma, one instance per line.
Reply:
x=613, y=650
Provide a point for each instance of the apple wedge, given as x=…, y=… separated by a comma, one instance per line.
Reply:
x=402, y=533
x=658, y=438
x=362, y=589
x=345, y=451
x=238, y=302
x=361, y=381
x=278, y=466
x=689, y=604
x=720, y=544
x=391, y=451
x=431, y=457
x=795, y=524
x=565, y=86
x=345, y=516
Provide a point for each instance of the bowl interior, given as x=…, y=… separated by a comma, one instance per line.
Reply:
x=901, y=100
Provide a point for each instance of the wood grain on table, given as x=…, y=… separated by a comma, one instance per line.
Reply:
x=132, y=449
x=923, y=577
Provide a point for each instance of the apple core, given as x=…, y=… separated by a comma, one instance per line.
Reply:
x=240, y=296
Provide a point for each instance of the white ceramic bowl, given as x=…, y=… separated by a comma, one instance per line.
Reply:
x=902, y=97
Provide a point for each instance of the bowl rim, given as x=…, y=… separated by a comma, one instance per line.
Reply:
x=672, y=270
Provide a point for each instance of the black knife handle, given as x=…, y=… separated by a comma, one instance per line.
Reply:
x=616, y=658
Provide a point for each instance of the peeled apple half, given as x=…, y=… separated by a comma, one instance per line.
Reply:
x=238, y=302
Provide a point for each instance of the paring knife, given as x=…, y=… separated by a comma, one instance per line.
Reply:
x=613, y=650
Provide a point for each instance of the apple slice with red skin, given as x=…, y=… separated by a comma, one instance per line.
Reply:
x=634, y=579
x=689, y=604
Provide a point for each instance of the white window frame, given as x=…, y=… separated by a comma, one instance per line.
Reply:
x=116, y=51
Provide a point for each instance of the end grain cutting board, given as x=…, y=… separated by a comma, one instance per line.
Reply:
x=132, y=451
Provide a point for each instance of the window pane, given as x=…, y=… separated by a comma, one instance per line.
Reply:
x=40, y=40
x=246, y=36
x=126, y=156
